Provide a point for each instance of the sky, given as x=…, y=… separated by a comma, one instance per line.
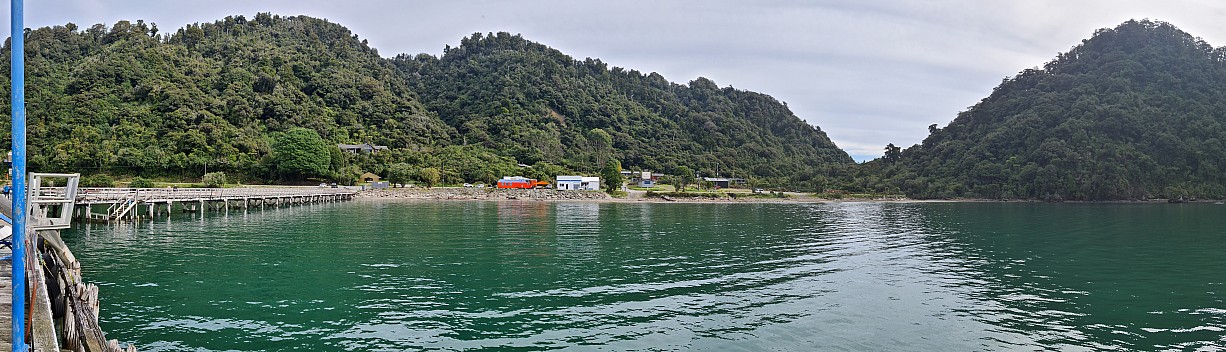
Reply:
x=867, y=72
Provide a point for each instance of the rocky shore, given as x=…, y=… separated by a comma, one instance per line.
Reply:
x=495, y=194
x=449, y=193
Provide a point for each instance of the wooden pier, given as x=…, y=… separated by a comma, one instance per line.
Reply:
x=109, y=204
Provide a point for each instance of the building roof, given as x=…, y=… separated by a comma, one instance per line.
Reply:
x=361, y=146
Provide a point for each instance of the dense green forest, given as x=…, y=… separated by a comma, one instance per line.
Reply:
x=130, y=100
x=503, y=92
x=1135, y=112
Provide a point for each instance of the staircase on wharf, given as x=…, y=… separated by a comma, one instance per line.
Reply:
x=109, y=204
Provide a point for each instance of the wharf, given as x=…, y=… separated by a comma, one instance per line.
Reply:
x=134, y=203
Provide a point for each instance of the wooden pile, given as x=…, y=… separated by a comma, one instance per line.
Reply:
x=71, y=298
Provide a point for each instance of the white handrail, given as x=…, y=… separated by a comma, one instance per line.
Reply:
x=106, y=195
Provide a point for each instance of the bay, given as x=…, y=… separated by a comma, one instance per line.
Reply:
x=433, y=275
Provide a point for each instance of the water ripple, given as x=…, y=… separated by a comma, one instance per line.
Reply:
x=381, y=276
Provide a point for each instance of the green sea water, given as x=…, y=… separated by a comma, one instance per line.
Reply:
x=388, y=276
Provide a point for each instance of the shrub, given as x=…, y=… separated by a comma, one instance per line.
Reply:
x=140, y=182
x=712, y=195
x=99, y=180
x=214, y=179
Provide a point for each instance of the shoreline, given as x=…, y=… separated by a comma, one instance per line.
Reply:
x=550, y=195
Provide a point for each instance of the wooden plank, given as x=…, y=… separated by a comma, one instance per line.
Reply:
x=6, y=302
x=41, y=322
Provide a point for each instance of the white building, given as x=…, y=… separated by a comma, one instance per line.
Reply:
x=578, y=183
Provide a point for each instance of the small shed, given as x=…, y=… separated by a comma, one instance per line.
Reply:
x=718, y=182
x=370, y=177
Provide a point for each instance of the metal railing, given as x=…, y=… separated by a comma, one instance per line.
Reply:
x=117, y=195
x=52, y=205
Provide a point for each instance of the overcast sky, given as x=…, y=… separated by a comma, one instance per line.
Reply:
x=867, y=72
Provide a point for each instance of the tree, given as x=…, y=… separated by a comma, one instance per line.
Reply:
x=348, y=175
x=892, y=153
x=602, y=144
x=214, y=179
x=685, y=177
x=612, y=174
x=399, y=173
x=430, y=176
x=301, y=153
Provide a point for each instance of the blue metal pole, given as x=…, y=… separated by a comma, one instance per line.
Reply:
x=19, y=175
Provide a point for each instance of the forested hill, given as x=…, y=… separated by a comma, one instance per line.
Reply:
x=1137, y=111
x=131, y=100
x=536, y=103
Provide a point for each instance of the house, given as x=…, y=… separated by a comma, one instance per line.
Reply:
x=719, y=182
x=369, y=177
x=365, y=148
x=647, y=183
x=578, y=183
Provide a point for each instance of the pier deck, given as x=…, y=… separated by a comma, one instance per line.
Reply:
x=119, y=195
x=130, y=203
x=6, y=301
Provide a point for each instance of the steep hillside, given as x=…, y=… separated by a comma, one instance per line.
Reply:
x=538, y=104
x=1137, y=111
x=131, y=100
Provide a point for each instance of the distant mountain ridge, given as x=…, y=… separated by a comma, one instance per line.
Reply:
x=1137, y=111
x=131, y=100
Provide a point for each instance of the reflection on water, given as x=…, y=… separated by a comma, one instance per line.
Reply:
x=734, y=277
x=577, y=229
